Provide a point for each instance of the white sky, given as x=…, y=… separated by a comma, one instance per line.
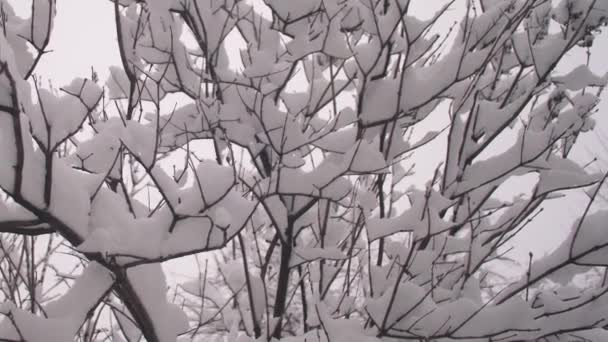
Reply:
x=84, y=36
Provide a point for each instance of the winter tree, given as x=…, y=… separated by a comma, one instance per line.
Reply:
x=279, y=147
x=596, y=153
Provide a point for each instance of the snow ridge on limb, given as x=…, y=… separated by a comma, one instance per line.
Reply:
x=62, y=317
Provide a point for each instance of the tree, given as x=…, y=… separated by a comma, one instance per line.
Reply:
x=291, y=167
x=595, y=154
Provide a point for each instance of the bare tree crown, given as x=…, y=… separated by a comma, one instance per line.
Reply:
x=278, y=141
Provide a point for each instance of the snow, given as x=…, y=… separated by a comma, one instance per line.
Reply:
x=98, y=153
x=211, y=229
x=380, y=100
x=307, y=254
x=215, y=180
x=580, y=78
x=83, y=295
x=222, y=217
x=324, y=180
x=55, y=118
x=264, y=64
x=587, y=245
x=120, y=233
x=293, y=10
x=127, y=328
x=342, y=330
x=9, y=211
x=71, y=195
x=461, y=317
x=140, y=140
x=564, y=174
x=367, y=55
x=166, y=185
x=547, y=52
x=88, y=91
x=335, y=44
x=161, y=5
x=421, y=218
x=118, y=83
x=36, y=329
x=43, y=15
x=323, y=167
x=7, y=152
x=150, y=284
x=33, y=169
x=365, y=157
x=65, y=315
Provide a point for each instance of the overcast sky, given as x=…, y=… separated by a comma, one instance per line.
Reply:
x=84, y=36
